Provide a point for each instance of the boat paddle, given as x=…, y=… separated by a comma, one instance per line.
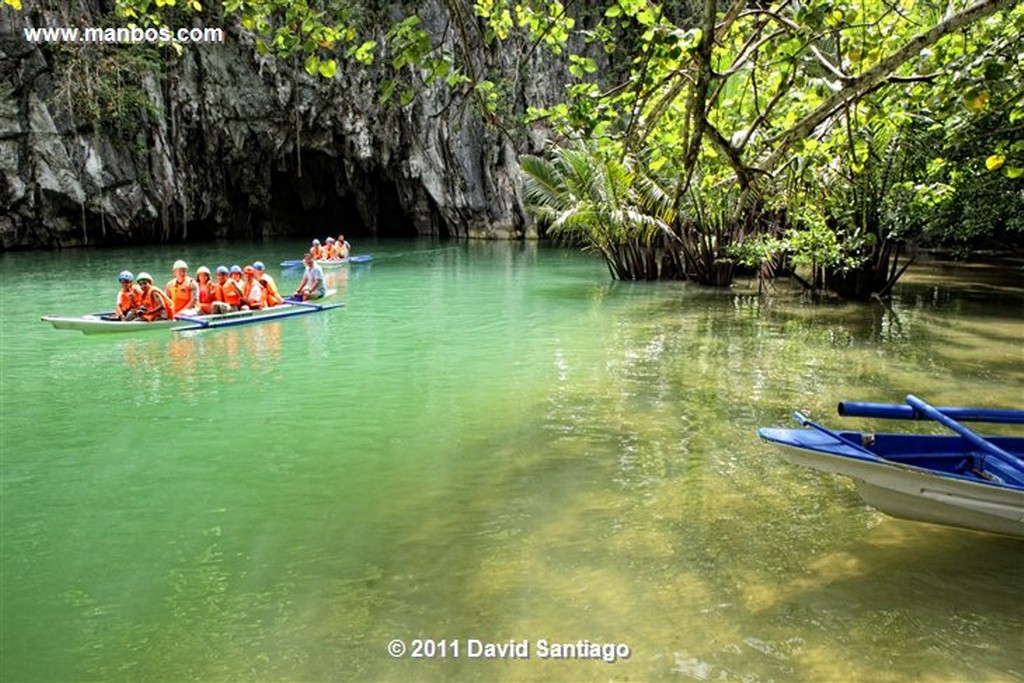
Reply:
x=195, y=321
x=296, y=302
x=300, y=302
x=197, y=324
x=1004, y=457
x=804, y=422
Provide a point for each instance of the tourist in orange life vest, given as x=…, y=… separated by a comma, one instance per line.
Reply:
x=330, y=249
x=183, y=290
x=208, y=290
x=271, y=296
x=129, y=297
x=230, y=291
x=343, y=247
x=153, y=303
x=252, y=292
x=317, y=251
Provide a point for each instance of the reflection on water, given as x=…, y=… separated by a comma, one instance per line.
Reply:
x=493, y=442
x=185, y=362
x=337, y=279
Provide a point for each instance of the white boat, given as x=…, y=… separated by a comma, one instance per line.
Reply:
x=329, y=263
x=101, y=323
x=950, y=480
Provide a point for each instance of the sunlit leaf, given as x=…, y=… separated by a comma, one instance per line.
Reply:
x=364, y=54
x=995, y=162
x=328, y=68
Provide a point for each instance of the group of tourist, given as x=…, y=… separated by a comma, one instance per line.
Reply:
x=331, y=250
x=234, y=289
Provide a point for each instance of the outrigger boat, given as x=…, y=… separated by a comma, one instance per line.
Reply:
x=965, y=481
x=329, y=263
x=102, y=323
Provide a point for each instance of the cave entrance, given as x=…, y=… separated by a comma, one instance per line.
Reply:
x=392, y=220
x=325, y=201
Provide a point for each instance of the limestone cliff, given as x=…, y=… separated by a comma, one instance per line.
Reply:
x=122, y=144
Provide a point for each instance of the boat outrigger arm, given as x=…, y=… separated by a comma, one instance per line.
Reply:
x=890, y=411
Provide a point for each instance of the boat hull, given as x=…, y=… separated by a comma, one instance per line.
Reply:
x=951, y=506
x=930, y=491
x=96, y=324
x=329, y=263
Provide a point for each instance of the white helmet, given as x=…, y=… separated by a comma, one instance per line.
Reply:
x=179, y=264
x=144, y=276
x=203, y=269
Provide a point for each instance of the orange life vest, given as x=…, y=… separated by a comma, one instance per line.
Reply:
x=230, y=292
x=153, y=305
x=271, y=297
x=180, y=293
x=129, y=301
x=317, y=252
x=207, y=292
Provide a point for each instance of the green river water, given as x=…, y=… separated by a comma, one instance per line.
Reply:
x=494, y=443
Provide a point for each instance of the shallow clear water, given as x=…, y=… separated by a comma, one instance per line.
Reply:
x=489, y=442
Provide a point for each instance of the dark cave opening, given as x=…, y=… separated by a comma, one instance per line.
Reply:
x=312, y=204
x=392, y=221
x=323, y=201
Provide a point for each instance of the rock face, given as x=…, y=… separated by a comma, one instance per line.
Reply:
x=219, y=142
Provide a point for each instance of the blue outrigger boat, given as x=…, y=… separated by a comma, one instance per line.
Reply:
x=967, y=481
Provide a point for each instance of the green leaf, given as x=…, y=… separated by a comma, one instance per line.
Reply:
x=1014, y=172
x=364, y=54
x=995, y=162
x=328, y=68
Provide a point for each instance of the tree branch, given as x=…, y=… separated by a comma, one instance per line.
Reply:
x=857, y=87
x=783, y=88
